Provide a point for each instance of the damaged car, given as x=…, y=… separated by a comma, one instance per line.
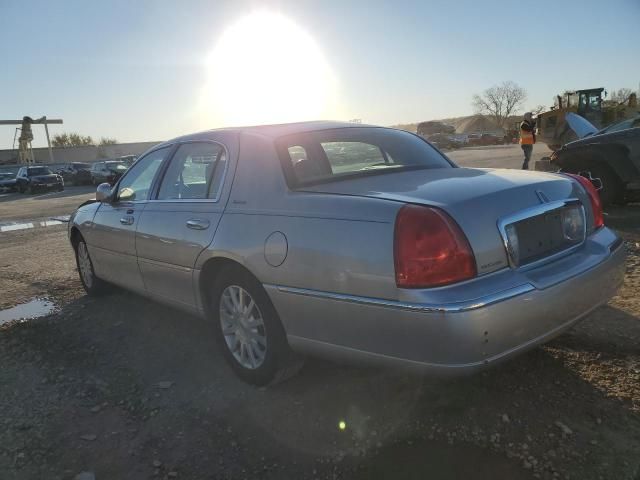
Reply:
x=610, y=157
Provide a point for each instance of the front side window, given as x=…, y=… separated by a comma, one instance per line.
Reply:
x=195, y=172
x=329, y=155
x=135, y=185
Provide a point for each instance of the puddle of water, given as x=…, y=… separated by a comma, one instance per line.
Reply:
x=25, y=224
x=38, y=307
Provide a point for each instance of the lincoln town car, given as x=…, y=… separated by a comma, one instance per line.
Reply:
x=358, y=243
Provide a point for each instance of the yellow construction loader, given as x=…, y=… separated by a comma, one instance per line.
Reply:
x=553, y=128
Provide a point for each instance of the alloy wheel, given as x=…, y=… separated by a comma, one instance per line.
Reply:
x=243, y=327
x=84, y=265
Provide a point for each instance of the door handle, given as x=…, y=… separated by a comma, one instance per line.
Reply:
x=127, y=220
x=197, y=224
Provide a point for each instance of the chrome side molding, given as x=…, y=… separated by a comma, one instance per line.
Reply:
x=456, y=307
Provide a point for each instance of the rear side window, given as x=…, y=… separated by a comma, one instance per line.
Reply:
x=195, y=172
x=331, y=155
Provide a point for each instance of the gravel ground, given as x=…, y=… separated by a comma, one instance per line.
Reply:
x=21, y=206
x=120, y=387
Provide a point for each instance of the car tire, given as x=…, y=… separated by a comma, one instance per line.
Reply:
x=92, y=284
x=253, y=341
x=30, y=190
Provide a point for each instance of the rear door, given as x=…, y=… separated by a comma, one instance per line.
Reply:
x=111, y=238
x=180, y=222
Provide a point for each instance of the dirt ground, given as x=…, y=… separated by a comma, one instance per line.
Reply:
x=123, y=388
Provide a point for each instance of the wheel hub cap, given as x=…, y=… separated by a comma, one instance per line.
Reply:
x=84, y=264
x=243, y=327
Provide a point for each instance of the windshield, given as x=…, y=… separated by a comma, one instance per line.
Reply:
x=39, y=171
x=329, y=155
x=6, y=175
x=116, y=166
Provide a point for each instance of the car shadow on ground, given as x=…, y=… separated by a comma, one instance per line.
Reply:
x=121, y=351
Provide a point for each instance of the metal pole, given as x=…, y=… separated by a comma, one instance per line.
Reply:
x=46, y=129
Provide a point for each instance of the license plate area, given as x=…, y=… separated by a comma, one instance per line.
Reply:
x=543, y=233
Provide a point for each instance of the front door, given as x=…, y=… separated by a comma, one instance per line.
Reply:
x=111, y=239
x=181, y=221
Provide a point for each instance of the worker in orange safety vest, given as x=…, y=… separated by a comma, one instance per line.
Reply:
x=527, y=138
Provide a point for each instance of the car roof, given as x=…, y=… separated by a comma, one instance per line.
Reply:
x=276, y=130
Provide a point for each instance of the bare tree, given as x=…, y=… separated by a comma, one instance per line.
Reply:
x=107, y=141
x=538, y=109
x=621, y=95
x=500, y=101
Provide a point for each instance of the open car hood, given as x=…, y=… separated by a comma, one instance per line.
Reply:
x=580, y=125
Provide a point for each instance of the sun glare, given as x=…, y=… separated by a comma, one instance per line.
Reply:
x=266, y=69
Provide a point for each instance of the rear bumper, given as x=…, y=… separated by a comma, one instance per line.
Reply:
x=521, y=311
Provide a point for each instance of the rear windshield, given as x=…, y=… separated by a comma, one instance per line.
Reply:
x=330, y=155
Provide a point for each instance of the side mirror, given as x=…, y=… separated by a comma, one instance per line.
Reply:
x=103, y=192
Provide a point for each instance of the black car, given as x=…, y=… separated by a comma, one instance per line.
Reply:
x=611, y=157
x=77, y=173
x=108, y=171
x=33, y=179
x=7, y=182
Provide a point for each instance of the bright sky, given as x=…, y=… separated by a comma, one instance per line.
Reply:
x=152, y=70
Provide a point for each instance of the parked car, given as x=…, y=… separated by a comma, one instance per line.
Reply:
x=485, y=139
x=38, y=178
x=108, y=171
x=128, y=160
x=350, y=241
x=611, y=156
x=77, y=173
x=8, y=182
x=443, y=141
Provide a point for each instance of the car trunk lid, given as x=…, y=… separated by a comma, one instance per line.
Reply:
x=477, y=199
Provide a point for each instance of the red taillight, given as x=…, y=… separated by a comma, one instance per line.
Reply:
x=594, y=198
x=430, y=250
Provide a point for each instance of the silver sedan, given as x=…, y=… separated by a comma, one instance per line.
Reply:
x=353, y=242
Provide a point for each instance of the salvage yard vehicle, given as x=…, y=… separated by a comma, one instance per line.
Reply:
x=34, y=179
x=107, y=171
x=76, y=173
x=8, y=182
x=484, y=139
x=354, y=242
x=610, y=156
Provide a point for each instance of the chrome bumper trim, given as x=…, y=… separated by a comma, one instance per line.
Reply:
x=456, y=307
